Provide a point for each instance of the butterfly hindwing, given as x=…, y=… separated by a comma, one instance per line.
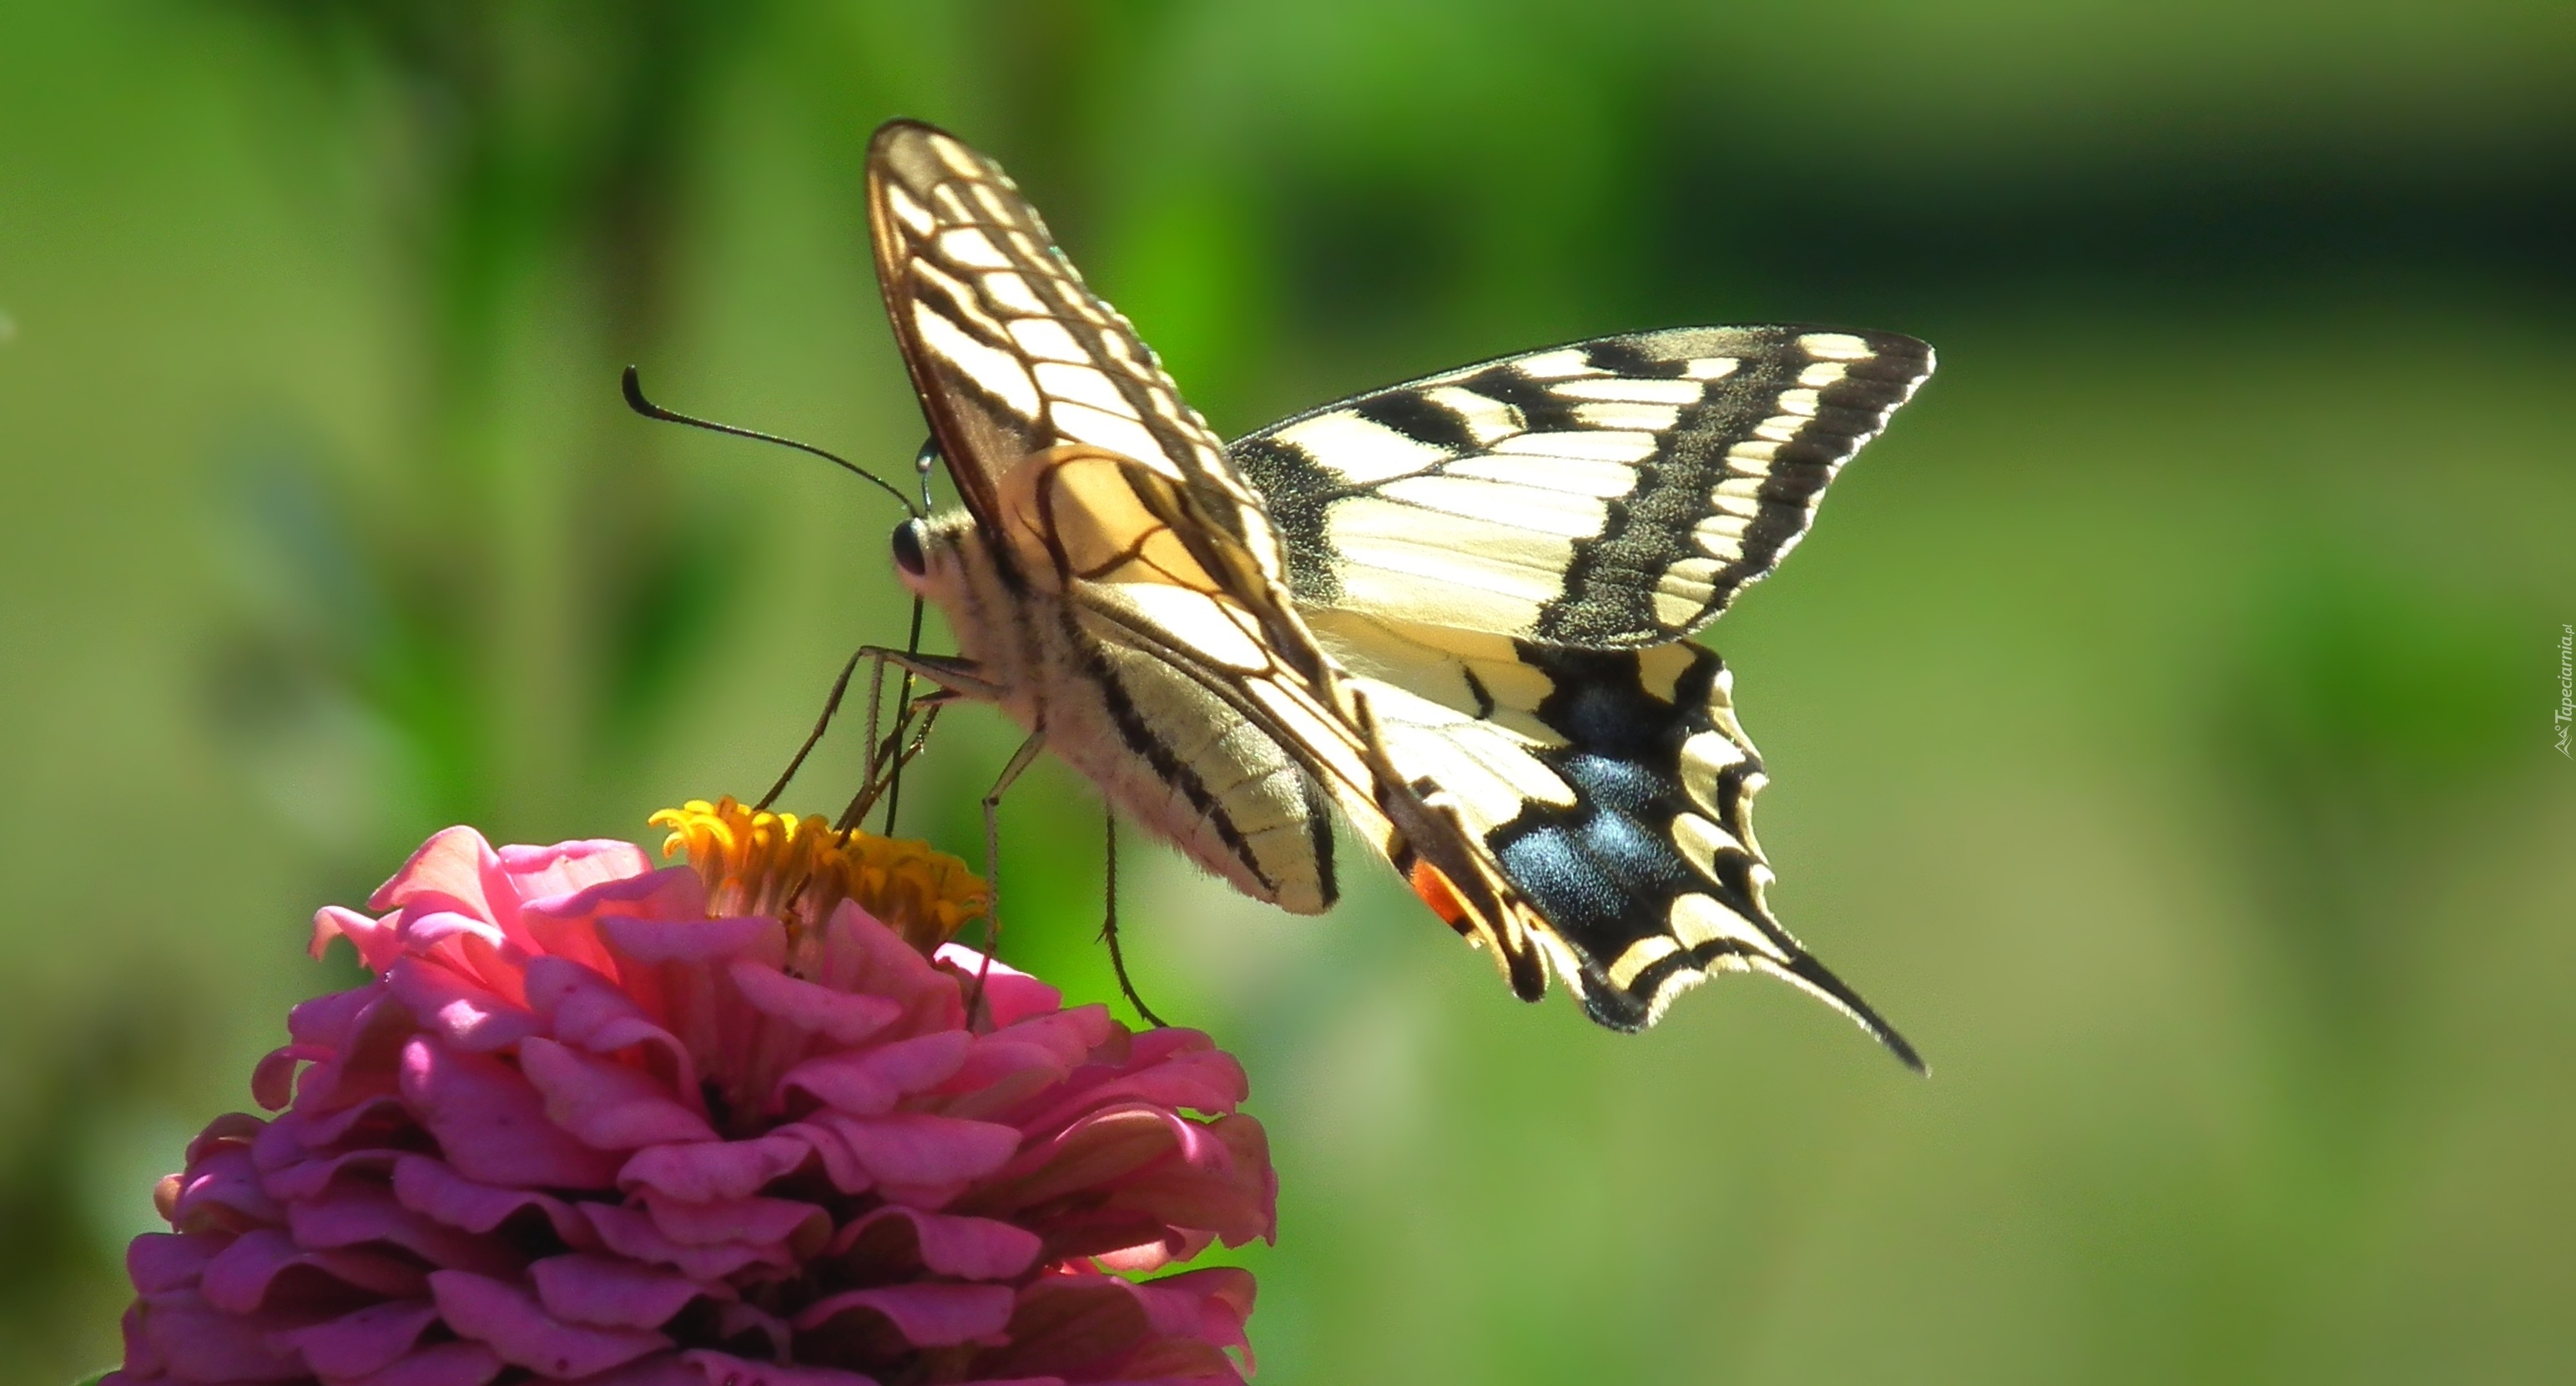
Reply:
x=1604, y=495
x=1613, y=789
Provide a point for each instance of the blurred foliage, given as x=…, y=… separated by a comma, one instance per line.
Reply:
x=2159, y=717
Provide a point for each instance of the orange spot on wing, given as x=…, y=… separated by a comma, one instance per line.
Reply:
x=1433, y=886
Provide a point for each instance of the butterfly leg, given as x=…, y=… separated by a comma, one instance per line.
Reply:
x=831, y=707
x=902, y=713
x=956, y=678
x=1109, y=931
x=892, y=755
x=961, y=677
x=1020, y=760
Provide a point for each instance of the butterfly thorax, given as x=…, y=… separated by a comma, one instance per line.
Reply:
x=1078, y=658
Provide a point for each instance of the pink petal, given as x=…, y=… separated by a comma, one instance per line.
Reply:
x=711, y=1170
x=429, y=1187
x=863, y=955
x=737, y=1320
x=439, y=1364
x=670, y=892
x=377, y=941
x=589, y=1012
x=449, y=867
x=926, y=1315
x=1150, y=1255
x=839, y=1165
x=326, y=1021
x=1068, y=1036
x=612, y=1292
x=606, y=1104
x=660, y=1369
x=1223, y=1185
x=302, y=1128
x=631, y=1233
x=844, y=1017
x=510, y=1322
x=540, y=873
x=1106, y=1146
x=232, y=1128
x=1168, y=1068
x=1212, y=1304
x=368, y=1216
x=1009, y=994
x=1210, y=1082
x=224, y=1178
x=868, y=1082
x=568, y=926
x=1176, y=1326
x=459, y=1009
x=143, y=1361
x=161, y=1261
x=424, y=930
x=313, y=1178
x=501, y=966
x=946, y=1244
x=206, y=1344
x=658, y=941
x=673, y=969
x=365, y=1057
x=918, y=1148
x=364, y=1341
x=724, y=1369
x=239, y=1278
x=1071, y=1324
x=1009, y=1067
x=272, y=1081
x=492, y=1125
x=734, y=1220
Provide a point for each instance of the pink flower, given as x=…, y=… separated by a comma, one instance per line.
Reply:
x=719, y=1126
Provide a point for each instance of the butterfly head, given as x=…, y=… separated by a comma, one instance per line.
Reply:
x=947, y=560
x=911, y=558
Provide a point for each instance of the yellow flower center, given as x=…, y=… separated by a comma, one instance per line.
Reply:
x=799, y=869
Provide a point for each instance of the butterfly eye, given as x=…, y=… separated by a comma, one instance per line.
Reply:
x=907, y=549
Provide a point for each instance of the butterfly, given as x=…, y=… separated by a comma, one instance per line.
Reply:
x=1453, y=612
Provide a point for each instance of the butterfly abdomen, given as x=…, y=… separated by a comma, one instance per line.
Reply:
x=1162, y=747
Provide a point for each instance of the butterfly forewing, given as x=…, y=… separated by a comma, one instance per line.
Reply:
x=1010, y=351
x=1603, y=495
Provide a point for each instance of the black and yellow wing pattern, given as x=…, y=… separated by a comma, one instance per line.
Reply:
x=1010, y=351
x=1455, y=609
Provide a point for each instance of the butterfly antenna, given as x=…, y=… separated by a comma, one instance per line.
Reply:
x=633, y=384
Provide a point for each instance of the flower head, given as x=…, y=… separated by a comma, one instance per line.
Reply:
x=723, y=1124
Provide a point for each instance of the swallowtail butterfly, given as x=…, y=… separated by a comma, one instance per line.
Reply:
x=1454, y=611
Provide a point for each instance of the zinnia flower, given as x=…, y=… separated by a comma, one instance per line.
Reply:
x=726, y=1124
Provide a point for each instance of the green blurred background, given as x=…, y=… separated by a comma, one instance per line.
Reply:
x=2160, y=717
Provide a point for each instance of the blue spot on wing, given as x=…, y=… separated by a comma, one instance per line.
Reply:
x=1602, y=873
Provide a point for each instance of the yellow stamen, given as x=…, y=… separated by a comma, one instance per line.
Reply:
x=799, y=869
